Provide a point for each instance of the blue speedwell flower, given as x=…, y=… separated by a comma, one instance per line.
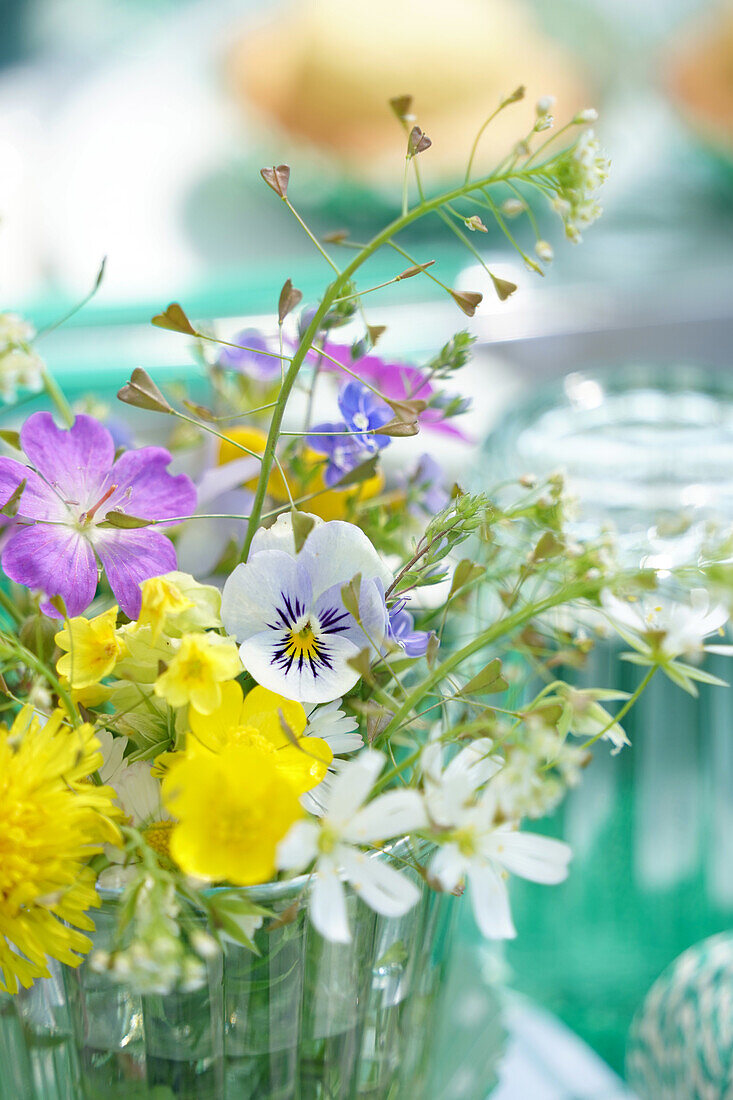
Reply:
x=351, y=441
x=287, y=609
x=401, y=630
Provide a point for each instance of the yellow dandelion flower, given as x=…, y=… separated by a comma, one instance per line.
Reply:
x=232, y=810
x=265, y=721
x=197, y=670
x=52, y=820
x=92, y=648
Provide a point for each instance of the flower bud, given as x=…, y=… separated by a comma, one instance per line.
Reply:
x=545, y=105
x=544, y=252
x=510, y=208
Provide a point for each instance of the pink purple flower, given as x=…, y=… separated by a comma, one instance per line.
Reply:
x=72, y=483
x=252, y=358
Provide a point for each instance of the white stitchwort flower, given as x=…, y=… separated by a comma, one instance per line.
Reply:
x=335, y=845
x=287, y=608
x=450, y=789
x=480, y=851
x=337, y=729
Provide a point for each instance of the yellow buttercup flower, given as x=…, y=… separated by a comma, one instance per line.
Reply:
x=92, y=648
x=232, y=810
x=52, y=820
x=197, y=670
x=265, y=721
x=177, y=604
x=328, y=504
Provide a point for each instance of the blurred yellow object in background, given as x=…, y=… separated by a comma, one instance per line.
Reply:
x=700, y=76
x=323, y=70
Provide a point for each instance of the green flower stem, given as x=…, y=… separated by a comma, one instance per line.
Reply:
x=624, y=709
x=334, y=291
x=56, y=395
x=573, y=590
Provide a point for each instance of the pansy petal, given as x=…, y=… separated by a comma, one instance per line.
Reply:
x=263, y=659
x=490, y=902
x=75, y=460
x=327, y=908
x=278, y=537
x=56, y=559
x=253, y=594
x=383, y=888
x=146, y=489
x=335, y=552
x=130, y=557
x=39, y=501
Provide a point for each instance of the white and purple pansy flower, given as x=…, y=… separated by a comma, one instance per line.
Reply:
x=72, y=482
x=286, y=608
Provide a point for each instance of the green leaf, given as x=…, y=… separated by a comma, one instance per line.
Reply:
x=395, y=955
x=549, y=546
x=350, y=596
x=362, y=472
x=10, y=507
x=11, y=438
x=488, y=681
x=124, y=521
x=465, y=572
x=303, y=524
x=174, y=319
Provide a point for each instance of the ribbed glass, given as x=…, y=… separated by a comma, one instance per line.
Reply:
x=305, y=1019
x=649, y=450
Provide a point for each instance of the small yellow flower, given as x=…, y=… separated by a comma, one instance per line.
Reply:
x=92, y=648
x=197, y=670
x=329, y=504
x=232, y=810
x=265, y=721
x=52, y=820
x=161, y=600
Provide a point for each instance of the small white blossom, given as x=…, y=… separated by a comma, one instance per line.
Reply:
x=335, y=846
x=512, y=207
x=590, y=114
x=545, y=105
x=480, y=853
x=544, y=251
x=450, y=789
x=19, y=364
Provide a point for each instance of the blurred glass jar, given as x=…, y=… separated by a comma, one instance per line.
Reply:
x=647, y=450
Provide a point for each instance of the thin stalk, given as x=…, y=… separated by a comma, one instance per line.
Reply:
x=56, y=395
x=305, y=228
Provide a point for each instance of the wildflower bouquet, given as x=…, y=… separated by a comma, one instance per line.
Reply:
x=268, y=680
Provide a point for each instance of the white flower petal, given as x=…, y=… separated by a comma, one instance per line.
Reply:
x=279, y=536
x=299, y=847
x=336, y=551
x=490, y=902
x=475, y=763
x=327, y=906
x=254, y=590
x=534, y=857
x=448, y=866
x=353, y=784
x=138, y=793
x=390, y=815
x=382, y=887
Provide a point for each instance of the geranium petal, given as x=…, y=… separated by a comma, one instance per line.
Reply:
x=39, y=501
x=130, y=557
x=56, y=559
x=490, y=902
x=146, y=489
x=75, y=460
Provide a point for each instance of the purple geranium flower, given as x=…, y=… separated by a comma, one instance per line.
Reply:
x=72, y=483
x=350, y=441
x=253, y=363
x=401, y=629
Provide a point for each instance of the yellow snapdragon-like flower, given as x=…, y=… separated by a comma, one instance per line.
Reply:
x=202, y=663
x=328, y=504
x=265, y=721
x=92, y=648
x=52, y=820
x=177, y=604
x=232, y=810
